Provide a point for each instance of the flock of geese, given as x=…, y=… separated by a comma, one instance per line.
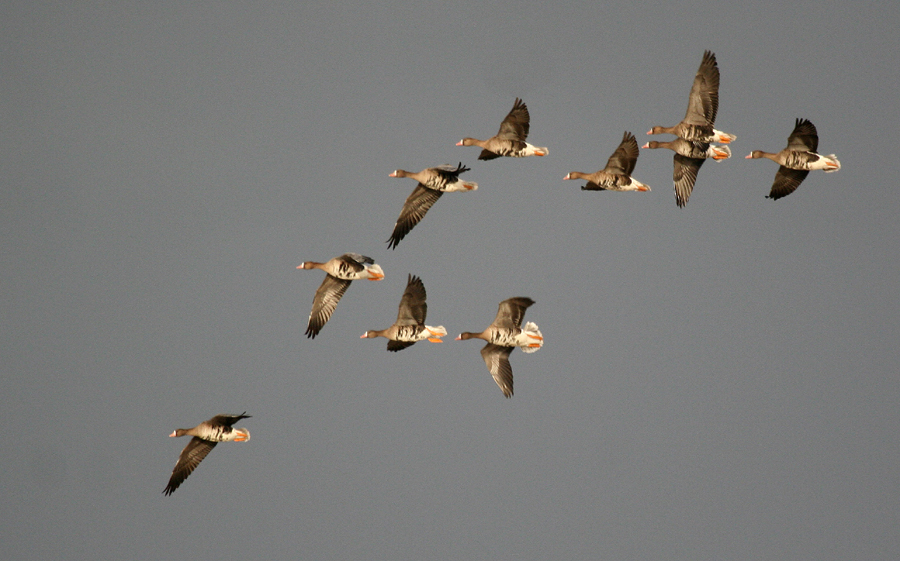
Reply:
x=503, y=335
x=696, y=141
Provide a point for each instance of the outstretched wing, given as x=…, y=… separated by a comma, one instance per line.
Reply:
x=685, y=175
x=414, y=209
x=190, y=458
x=703, y=103
x=623, y=160
x=326, y=300
x=786, y=181
x=412, y=309
x=497, y=360
x=511, y=312
x=515, y=125
x=804, y=137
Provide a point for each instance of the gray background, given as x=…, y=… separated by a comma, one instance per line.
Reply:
x=719, y=382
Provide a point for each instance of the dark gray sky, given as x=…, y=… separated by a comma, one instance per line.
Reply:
x=718, y=382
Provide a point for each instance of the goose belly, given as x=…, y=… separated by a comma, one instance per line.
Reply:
x=505, y=338
x=410, y=333
x=218, y=434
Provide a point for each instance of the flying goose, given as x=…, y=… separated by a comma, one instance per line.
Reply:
x=703, y=104
x=616, y=176
x=510, y=141
x=433, y=182
x=340, y=272
x=797, y=159
x=410, y=325
x=206, y=435
x=689, y=156
x=503, y=336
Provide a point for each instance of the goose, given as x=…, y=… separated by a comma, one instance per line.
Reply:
x=433, y=182
x=797, y=159
x=616, y=176
x=510, y=140
x=503, y=336
x=703, y=104
x=689, y=156
x=410, y=325
x=206, y=435
x=340, y=272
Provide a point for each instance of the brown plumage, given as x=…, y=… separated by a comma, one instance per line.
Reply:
x=703, y=105
x=340, y=272
x=797, y=159
x=502, y=336
x=410, y=325
x=433, y=182
x=510, y=140
x=616, y=176
x=689, y=156
x=206, y=435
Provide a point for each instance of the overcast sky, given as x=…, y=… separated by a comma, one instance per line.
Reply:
x=719, y=382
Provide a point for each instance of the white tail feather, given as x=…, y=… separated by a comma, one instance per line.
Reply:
x=723, y=137
x=722, y=148
x=531, y=328
x=531, y=150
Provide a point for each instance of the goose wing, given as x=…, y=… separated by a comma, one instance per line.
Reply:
x=623, y=160
x=804, y=137
x=515, y=125
x=511, y=312
x=703, y=102
x=190, y=458
x=414, y=209
x=325, y=301
x=685, y=175
x=786, y=181
x=412, y=309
